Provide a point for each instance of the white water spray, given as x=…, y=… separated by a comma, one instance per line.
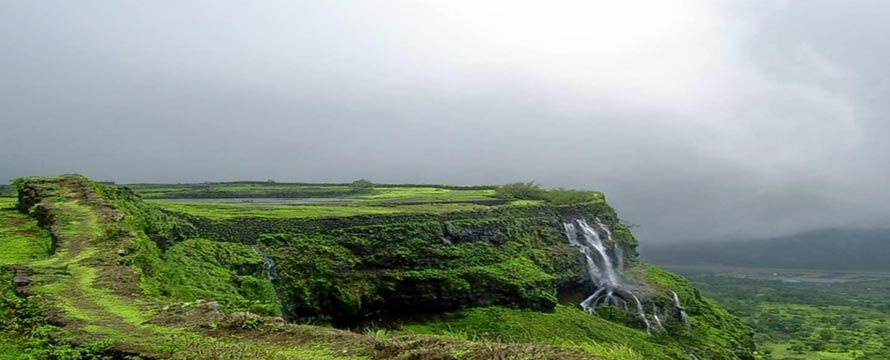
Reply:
x=642, y=314
x=268, y=264
x=604, y=264
x=683, y=316
x=655, y=315
x=593, y=241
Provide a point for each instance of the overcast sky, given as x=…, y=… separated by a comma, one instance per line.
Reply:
x=700, y=120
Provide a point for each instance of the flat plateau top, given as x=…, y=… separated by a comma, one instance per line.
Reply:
x=283, y=200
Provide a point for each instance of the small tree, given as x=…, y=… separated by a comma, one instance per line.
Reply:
x=520, y=191
x=361, y=185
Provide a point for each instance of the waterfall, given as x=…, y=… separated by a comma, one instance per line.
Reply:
x=271, y=275
x=604, y=262
x=683, y=316
x=655, y=315
x=617, y=250
x=604, y=267
x=268, y=264
x=592, y=240
x=642, y=314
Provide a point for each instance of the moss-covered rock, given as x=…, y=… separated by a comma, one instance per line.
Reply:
x=229, y=273
x=514, y=257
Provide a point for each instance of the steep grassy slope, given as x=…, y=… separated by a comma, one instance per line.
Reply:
x=99, y=271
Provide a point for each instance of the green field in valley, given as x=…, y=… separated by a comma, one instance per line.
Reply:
x=800, y=314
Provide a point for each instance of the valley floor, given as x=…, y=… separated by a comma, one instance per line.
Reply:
x=800, y=314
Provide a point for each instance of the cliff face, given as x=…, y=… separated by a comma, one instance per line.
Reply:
x=385, y=268
x=421, y=269
x=362, y=268
x=361, y=272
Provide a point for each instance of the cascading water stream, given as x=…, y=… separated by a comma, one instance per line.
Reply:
x=603, y=269
x=683, y=316
x=592, y=240
x=619, y=251
x=271, y=274
x=642, y=314
x=268, y=264
x=655, y=314
x=604, y=266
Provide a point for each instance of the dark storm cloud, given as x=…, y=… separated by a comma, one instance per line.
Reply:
x=699, y=120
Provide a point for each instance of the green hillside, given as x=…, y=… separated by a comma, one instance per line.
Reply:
x=397, y=272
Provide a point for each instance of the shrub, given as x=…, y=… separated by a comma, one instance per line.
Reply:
x=361, y=185
x=565, y=197
x=532, y=191
x=520, y=191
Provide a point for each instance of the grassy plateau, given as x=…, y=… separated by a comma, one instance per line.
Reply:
x=363, y=271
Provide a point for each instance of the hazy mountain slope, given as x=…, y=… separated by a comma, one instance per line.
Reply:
x=833, y=249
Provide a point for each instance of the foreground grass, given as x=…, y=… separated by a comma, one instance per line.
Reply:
x=20, y=237
x=85, y=286
x=566, y=326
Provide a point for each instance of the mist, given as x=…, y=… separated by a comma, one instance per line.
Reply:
x=699, y=120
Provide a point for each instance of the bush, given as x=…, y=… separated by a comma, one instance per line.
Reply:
x=565, y=197
x=361, y=185
x=520, y=191
x=532, y=191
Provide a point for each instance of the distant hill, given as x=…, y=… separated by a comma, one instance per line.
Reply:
x=6, y=190
x=832, y=249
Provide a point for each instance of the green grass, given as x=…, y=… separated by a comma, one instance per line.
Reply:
x=229, y=273
x=237, y=190
x=222, y=210
x=567, y=326
x=425, y=195
x=377, y=200
x=379, y=193
x=21, y=239
x=10, y=348
x=281, y=211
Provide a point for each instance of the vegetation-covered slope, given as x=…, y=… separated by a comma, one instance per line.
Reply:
x=830, y=249
x=111, y=274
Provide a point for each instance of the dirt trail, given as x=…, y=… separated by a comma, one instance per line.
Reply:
x=76, y=274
